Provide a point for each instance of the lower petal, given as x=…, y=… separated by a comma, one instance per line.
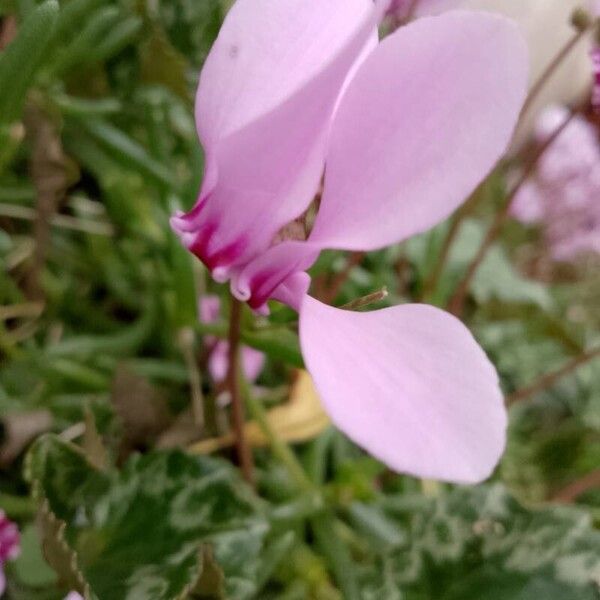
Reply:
x=410, y=385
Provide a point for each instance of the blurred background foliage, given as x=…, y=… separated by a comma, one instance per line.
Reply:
x=100, y=345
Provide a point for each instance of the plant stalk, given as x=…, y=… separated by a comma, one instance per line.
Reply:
x=244, y=451
x=549, y=379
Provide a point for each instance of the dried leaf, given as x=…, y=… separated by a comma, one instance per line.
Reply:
x=18, y=430
x=93, y=446
x=142, y=408
x=299, y=420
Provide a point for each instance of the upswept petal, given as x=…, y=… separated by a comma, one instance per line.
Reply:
x=410, y=385
x=426, y=117
x=265, y=156
x=265, y=52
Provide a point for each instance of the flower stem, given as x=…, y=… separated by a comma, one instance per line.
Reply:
x=233, y=385
x=549, y=379
x=186, y=343
x=576, y=489
x=456, y=304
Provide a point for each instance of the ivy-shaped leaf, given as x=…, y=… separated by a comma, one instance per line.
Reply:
x=479, y=543
x=150, y=530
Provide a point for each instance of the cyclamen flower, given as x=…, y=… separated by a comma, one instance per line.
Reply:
x=252, y=360
x=73, y=596
x=564, y=193
x=404, y=130
x=9, y=545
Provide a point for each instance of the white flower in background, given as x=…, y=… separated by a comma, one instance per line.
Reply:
x=547, y=27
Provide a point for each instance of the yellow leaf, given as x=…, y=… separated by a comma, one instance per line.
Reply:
x=298, y=420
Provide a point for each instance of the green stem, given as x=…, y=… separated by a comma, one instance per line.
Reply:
x=281, y=450
x=323, y=525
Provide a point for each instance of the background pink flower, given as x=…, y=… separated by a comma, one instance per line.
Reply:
x=9, y=545
x=563, y=196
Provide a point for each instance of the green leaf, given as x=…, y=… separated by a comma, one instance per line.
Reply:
x=20, y=62
x=279, y=343
x=162, y=64
x=490, y=584
x=479, y=543
x=30, y=567
x=128, y=151
x=192, y=25
x=138, y=533
x=93, y=32
x=73, y=14
x=123, y=34
x=551, y=442
x=496, y=278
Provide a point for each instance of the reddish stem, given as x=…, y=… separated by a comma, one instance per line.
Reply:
x=576, y=489
x=549, y=379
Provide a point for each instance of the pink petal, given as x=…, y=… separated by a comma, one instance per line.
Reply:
x=209, y=308
x=265, y=53
x=410, y=385
x=253, y=363
x=218, y=361
x=427, y=116
x=264, y=106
